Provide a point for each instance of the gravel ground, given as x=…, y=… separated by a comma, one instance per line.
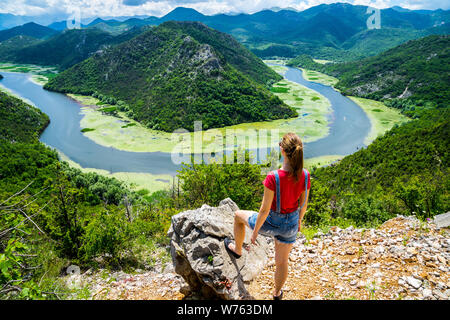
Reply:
x=402, y=259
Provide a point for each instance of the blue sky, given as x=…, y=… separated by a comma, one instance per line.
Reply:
x=104, y=8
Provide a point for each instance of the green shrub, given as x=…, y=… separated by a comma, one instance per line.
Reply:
x=212, y=183
x=365, y=211
x=279, y=90
x=107, y=233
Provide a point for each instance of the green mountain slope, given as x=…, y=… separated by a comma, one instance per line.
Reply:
x=403, y=172
x=9, y=47
x=30, y=29
x=416, y=70
x=19, y=122
x=178, y=73
x=67, y=48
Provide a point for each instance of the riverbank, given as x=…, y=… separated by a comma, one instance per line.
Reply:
x=115, y=131
x=39, y=74
x=382, y=118
x=135, y=181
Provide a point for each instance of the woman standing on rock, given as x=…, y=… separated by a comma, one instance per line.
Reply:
x=279, y=215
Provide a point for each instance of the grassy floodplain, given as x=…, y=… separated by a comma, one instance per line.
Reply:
x=319, y=77
x=134, y=180
x=115, y=131
x=382, y=118
x=39, y=74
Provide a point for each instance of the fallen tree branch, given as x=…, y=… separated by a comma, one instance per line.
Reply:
x=23, y=212
x=15, y=195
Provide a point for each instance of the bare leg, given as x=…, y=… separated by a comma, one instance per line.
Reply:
x=282, y=251
x=240, y=221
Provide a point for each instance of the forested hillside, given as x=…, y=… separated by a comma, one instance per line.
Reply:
x=19, y=121
x=416, y=70
x=336, y=31
x=52, y=215
x=403, y=172
x=177, y=73
x=414, y=73
x=30, y=29
x=64, y=49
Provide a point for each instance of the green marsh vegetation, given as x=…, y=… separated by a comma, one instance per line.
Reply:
x=139, y=138
x=40, y=74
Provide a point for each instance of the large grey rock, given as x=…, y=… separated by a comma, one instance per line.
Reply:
x=200, y=257
x=442, y=220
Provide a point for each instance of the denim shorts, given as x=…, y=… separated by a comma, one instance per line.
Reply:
x=283, y=227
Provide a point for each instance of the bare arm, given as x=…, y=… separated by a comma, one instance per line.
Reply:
x=303, y=211
x=263, y=211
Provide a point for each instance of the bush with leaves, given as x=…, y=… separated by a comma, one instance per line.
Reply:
x=211, y=183
x=108, y=233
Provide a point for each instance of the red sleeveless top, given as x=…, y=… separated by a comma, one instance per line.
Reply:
x=290, y=189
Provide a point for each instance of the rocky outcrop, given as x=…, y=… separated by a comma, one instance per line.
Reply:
x=200, y=257
x=402, y=259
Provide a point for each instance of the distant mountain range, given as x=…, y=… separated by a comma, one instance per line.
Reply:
x=335, y=31
x=29, y=29
x=177, y=73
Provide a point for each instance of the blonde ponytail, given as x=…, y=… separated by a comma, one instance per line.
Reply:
x=293, y=147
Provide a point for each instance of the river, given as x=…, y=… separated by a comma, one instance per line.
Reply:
x=349, y=126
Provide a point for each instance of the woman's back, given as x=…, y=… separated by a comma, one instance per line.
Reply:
x=290, y=189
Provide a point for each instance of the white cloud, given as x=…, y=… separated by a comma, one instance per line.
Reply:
x=90, y=8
